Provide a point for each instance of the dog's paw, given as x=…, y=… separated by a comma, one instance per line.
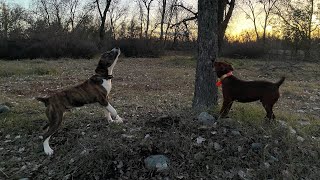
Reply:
x=48, y=151
x=119, y=119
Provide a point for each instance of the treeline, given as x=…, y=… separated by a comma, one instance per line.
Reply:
x=81, y=29
x=145, y=28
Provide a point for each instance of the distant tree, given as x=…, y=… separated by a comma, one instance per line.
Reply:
x=170, y=15
x=116, y=12
x=12, y=21
x=163, y=14
x=250, y=8
x=147, y=5
x=73, y=8
x=225, y=10
x=298, y=22
x=103, y=17
x=268, y=6
x=205, y=94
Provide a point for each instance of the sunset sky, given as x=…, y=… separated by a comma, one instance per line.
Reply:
x=239, y=23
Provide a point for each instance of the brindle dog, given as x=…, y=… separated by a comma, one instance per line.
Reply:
x=234, y=89
x=95, y=89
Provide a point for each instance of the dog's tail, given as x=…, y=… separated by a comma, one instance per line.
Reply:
x=280, y=81
x=45, y=100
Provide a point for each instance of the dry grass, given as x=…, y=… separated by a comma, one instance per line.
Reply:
x=154, y=96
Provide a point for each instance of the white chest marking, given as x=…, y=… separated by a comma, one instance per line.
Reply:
x=107, y=85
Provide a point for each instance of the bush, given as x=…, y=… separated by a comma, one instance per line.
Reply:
x=44, y=45
x=140, y=48
x=250, y=50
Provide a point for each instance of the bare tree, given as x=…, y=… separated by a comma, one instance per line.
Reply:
x=298, y=22
x=44, y=6
x=147, y=5
x=205, y=94
x=5, y=21
x=268, y=6
x=163, y=13
x=103, y=16
x=116, y=12
x=252, y=12
x=171, y=13
x=225, y=10
x=72, y=5
x=141, y=17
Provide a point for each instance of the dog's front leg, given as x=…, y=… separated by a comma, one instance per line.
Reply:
x=226, y=106
x=108, y=116
x=114, y=113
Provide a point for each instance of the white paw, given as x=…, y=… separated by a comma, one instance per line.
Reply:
x=119, y=119
x=48, y=150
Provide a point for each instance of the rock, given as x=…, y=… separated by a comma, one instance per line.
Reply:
x=266, y=165
x=21, y=149
x=273, y=159
x=24, y=179
x=23, y=168
x=256, y=147
x=200, y=140
x=214, y=132
x=292, y=131
x=242, y=175
x=8, y=136
x=235, y=133
x=240, y=148
x=299, y=138
x=4, y=109
x=127, y=136
x=66, y=177
x=71, y=161
x=283, y=123
x=157, y=162
x=206, y=118
x=84, y=152
x=199, y=156
x=303, y=122
x=217, y=146
x=17, y=137
x=147, y=136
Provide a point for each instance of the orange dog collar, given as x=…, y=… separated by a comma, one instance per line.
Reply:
x=219, y=83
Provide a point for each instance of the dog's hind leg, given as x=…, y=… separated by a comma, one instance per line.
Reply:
x=55, y=119
x=269, y=111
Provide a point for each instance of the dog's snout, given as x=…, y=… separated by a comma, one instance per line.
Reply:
x=116, y=49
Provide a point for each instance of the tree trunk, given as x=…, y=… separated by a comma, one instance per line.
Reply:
x=205, y=94
x=148, y=21
x=103, y=17
x=223, y=21
x=164, y=4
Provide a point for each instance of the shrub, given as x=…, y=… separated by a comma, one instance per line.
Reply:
x=140, y=48
x=250, y=50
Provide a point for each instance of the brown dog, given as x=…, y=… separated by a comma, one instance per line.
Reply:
x=234, y=89
x=95, y=89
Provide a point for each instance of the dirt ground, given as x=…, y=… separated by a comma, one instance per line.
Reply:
x=154, y=96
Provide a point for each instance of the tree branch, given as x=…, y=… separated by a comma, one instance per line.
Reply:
x=188, y=9
x=185, y=20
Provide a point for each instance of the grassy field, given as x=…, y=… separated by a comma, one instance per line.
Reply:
x=154, y=96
